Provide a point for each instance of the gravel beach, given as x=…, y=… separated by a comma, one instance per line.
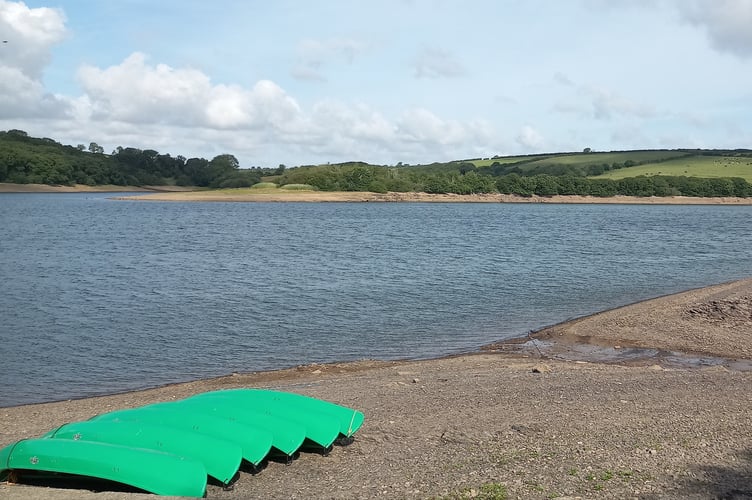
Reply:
x=647, y=401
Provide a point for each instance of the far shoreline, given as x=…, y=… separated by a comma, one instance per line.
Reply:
x=249, y=195
x=281, y=196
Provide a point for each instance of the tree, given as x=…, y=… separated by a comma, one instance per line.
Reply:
x=546, y=185
x=587, y=150
x=357, y=179
x=81, y=147
x=95, y=148
x=222, y=167
x=197, y=170
x=636, y=186
x=515, y=184
x=573, y=185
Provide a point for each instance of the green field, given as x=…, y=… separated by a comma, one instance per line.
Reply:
x=505, y=160
x=694, y=166
x=581, y=159
x=585, y=159
x=623, y=164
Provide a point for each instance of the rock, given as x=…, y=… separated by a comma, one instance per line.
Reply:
x=541, y=368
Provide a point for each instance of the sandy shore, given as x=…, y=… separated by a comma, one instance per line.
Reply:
x=537, y=418
x=248, y=195
x=177, y=193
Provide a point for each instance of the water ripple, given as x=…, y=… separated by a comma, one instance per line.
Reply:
x=101, y=296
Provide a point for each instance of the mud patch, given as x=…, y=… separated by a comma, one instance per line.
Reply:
x=732, y=311
x=632, y=356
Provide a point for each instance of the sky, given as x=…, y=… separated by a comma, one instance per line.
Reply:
x=414, y=81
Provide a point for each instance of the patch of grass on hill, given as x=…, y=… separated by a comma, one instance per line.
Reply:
x=577, y=164
x=505, y=160
x=586, y=159
x=694, y=166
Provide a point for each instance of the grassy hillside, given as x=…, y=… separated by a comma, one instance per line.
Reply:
x=692, y=166
x=586, y=159
x=622, y=164
x=25, y=159
x=506, y=160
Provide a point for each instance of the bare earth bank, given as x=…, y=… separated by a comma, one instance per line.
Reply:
x=539, y=423
x=248, y=195
x=177, y=193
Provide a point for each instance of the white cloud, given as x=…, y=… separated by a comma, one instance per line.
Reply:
x=562, y=79
x=421, y=125
x=436, y=63
x=30, y=35
x=529, y=138
x=134, y=96
x=607, y=103
x=175, y=102
x=356, y=121
x=314, y=55
x=23, y=97
x=591, y=101
x=728, y=23
x=355, y=131
x=136, y=92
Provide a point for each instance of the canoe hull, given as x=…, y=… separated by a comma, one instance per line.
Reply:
x=152, y=471
x=221, y=458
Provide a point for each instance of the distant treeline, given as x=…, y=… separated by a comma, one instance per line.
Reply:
x=25, y=159
x=654, y=185
x=467, y=180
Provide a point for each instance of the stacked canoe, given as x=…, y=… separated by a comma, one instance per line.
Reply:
x=171, y=448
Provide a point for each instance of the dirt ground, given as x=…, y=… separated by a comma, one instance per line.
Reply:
x=246, y=195
x=178, y=193
x=649, y=401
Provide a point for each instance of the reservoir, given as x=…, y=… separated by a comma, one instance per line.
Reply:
x=102, y=296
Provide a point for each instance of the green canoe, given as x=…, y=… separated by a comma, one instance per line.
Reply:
x=152, y=471
x=221, y=458
x=287, y=435
x=318, y=429
x=169, y=448
x=255, y=443
x=289, y=404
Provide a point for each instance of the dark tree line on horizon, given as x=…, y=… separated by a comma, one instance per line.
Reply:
x=467, y=179
x=25, y=159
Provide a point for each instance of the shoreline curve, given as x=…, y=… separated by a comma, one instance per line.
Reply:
x=534, y=425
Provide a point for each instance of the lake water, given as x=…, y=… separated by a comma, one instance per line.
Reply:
x=101, y=296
